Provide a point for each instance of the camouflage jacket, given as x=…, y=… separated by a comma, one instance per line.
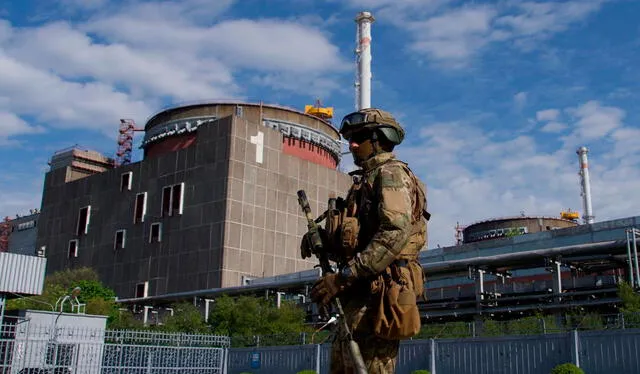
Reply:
x=390, y=213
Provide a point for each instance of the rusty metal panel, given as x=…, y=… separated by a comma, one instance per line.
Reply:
x=605, y=352
x=504, y=355
x=22, y=274
x=272, y=360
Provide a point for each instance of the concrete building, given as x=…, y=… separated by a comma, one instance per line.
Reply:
x=23, y=233
x=212, y=204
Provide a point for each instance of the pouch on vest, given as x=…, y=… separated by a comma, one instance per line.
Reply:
x=397, y=316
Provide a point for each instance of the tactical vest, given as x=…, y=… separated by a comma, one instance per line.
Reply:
x=352, y=222
x=350, y=226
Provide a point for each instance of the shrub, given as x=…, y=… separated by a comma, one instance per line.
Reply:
x=308, y=371
x=567, y=368
x=421, y=372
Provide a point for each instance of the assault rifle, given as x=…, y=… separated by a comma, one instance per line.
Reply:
x=317, y=248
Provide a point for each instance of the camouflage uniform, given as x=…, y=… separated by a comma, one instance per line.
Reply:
x=375, y=242
x=391, y=229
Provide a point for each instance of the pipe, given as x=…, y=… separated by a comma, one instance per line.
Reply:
x=635, y=256
x=631, y=276
x=503, y=260
x=363, y=51
x=3, y=301
x=588, y=216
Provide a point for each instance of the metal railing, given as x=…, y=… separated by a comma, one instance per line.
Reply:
x=29, y=348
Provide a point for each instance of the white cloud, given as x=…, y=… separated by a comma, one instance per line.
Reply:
x=471, y=175
x=554, y=127
x=60, y=103
x=128, y=60
x=520, y=100
x=451, y=35
x=540, y=19
x=547, y=115
x=593, y=121
x=11, y=125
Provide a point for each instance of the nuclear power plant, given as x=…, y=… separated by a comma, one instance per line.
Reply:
x=211, y=209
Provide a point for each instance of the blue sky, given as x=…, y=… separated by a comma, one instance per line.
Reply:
x=496, y=96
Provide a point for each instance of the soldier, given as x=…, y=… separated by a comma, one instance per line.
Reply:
x=375, y=242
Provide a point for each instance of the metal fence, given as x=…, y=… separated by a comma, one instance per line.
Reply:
x=596, y=352
x=29, y=349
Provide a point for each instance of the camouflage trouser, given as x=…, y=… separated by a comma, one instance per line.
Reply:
x=379, y=355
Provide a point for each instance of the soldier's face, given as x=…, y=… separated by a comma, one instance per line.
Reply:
x=360, y=147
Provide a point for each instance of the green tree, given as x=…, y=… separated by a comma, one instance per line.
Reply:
x=567, y=368
x=247, y=316
x=99, y=299
x=630, y=304
x=186, y=318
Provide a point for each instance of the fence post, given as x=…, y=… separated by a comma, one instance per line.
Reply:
x=432, y=348
x=317, y=358
x=575, y=348
x=225, y=360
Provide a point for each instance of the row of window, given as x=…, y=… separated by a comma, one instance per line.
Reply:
x=120, y=239
x=172, y=204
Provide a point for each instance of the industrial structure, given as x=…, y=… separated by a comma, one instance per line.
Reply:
x=211, y=209
x=512, y=226
x=212, y=203
x=363, y=60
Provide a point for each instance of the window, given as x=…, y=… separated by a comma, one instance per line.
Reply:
x=166, y=200
x=142, y=289
x=126, y=180
x=84, y=216
x=26, y=225
x=172, y=199
x=155, y=235
x=140, y=208
x=120, y=239
x=73, y=248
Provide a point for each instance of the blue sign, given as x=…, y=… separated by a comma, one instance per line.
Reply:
x=255, y=360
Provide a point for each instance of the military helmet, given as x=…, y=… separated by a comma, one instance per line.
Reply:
x=373, y=119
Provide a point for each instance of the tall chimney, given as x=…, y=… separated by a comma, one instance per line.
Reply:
x=587, y=217
x=363, y=60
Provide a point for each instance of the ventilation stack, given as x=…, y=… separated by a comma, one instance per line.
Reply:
x=363, y=60
x=588, y=216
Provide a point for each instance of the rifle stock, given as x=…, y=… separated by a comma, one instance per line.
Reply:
x=317, y=247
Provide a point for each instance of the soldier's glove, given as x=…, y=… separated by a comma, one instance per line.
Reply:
x=305, y=247
x=312, y=239
x=326, y=288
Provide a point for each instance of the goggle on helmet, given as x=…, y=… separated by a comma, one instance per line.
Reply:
x=372, y=119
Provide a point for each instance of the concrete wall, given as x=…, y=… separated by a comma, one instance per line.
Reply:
x=24, y=231
x=264, y=222
x=240, y=217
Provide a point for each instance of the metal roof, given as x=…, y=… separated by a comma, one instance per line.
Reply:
x=21, y=274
